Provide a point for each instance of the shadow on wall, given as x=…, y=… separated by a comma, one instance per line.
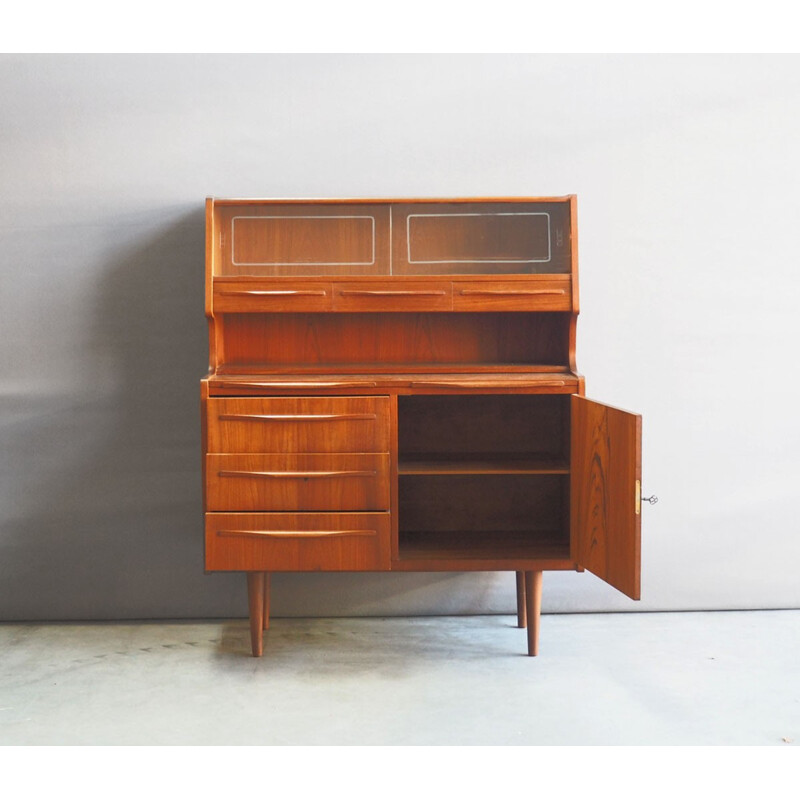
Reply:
x=109, y=525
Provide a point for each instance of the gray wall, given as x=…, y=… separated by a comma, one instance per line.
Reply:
x=686, y=169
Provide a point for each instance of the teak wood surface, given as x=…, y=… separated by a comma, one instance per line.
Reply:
x=298, y=482
x=606, y=513
x=298, y=542
x=298, y=425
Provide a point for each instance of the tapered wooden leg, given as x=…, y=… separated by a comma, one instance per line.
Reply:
x=255, y=596
x=265, y=624
x=533, y=608
x=520, y=599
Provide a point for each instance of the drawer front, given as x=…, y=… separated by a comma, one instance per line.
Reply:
x=528, y=295
x=298, y=542
x=348, y=482
x=393, y=296
x=271, y=296
x=299, y=425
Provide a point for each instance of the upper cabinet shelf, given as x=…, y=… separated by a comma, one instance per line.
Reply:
x=297, y=239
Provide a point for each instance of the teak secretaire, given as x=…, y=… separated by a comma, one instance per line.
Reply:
x=393, y=386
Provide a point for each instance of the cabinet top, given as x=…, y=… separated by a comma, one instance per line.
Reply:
x=228, y=201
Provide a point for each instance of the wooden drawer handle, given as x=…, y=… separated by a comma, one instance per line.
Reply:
x=298, y=384
x=294, y=417
x=344, y=473
x=510, y=292
x=276, y=292
x=299, y=534
x=484, y=384
x=391, y=293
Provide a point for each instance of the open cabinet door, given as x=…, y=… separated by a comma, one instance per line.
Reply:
x=606, y=474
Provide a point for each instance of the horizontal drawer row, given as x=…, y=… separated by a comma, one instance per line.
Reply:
x=532, y=294
x=298, y=542
x=297, y=482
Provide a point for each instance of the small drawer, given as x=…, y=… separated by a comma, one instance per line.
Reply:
x=528, y=295
x=234, y=296
x=342, y=482
x=395, y=296
x=298, y=425
x=298, y=542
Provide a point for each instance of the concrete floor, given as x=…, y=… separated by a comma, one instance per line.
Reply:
x=667, y=678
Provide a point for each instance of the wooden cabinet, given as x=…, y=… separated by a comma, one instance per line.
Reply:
x=393, y=386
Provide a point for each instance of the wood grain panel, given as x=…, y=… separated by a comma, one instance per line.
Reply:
x=531, y=295
x=341, y=482
x=298, y=425
x=606, y=464
x=362, y=382
x=383, y=296
x=400, y=338
x=297, y=542
x=272, y=296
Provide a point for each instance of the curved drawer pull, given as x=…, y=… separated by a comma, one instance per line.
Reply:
x=343, y=473
x=510, y=292
x=392, y=293
x=296, y=384
x=299, y=534
x=275, y=292
x=294, y=417
x=484, y=384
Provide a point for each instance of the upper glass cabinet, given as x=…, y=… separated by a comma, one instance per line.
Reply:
x=263, y=239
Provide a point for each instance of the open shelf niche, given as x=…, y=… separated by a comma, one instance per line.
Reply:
x=483, y=476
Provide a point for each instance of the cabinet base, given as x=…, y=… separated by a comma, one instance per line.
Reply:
x=529, y=607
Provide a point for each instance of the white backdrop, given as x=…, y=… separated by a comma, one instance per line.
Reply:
x=687, y=171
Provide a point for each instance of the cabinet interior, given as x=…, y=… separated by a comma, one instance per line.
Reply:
x=483, y=476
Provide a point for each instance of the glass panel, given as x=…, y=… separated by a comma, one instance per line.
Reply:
x=481, y=238
x=521, y=238
x=272, y=239
x=280, y=241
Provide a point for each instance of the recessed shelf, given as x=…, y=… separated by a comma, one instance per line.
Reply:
x=480, y=545
x=481, y=464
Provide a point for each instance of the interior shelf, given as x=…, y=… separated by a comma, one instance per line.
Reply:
x=482, y=464
x=493, y=545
